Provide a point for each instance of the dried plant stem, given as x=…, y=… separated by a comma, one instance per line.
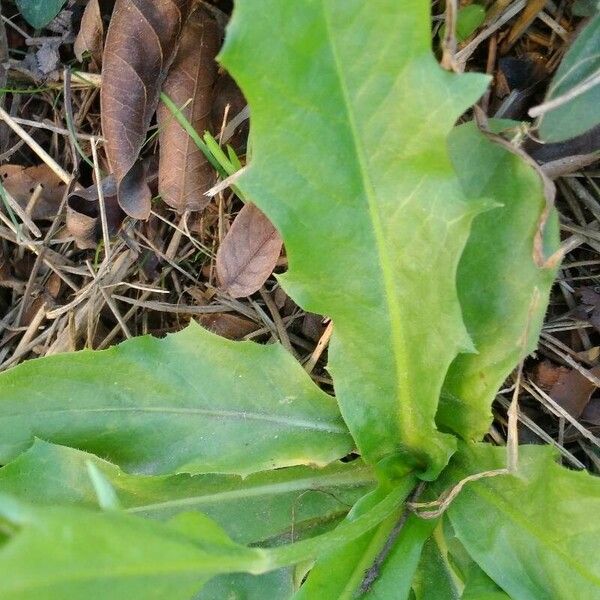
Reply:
x=52, y=164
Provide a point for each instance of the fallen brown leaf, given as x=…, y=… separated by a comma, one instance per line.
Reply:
x=591, y=414
x=184, y=172
x=83, y=209
x=91, y=34
x=572, y=391
x=546, y=374
x=140, y=46
x=227, y=325
x=248, y=254
x=21, y=183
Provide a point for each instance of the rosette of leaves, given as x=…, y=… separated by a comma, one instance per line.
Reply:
x=196, y=465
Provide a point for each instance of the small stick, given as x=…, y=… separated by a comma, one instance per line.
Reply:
x=52, y=164
x=449, y=44
x=110, y=303
x=101, y=203
x=279, y=325
x=319, y=349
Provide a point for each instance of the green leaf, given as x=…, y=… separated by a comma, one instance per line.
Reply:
x=434, y=577
x=341, y=574
x=286, y=502
x=277, y=585
x=398, y=570
x=585, y=8
x=107, y=497
x=503, y=293
x=363, y=111
x=192, y=402
x=72, y=553
x=479, y=586
x=468, y=19
x=580, y=64
x=273, y=507
x=534, y=533
x=39, y=12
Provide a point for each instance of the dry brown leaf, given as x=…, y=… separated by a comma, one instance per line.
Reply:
x=21, y=182
x=248, y=254
x=546, y=374
x=227, y=325
x=572, y=391
x=83, y=209
x=591, y=414
x=184, y=172
x=91, y=34
x=140, y=46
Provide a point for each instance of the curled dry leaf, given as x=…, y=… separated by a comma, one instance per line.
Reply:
x=184, y=172
x=91, y=34
x=83, y=213
x=140, y=46
x=83, y=209
x=21, y=183
x=248, y=254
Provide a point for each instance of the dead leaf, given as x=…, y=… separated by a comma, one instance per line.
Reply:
x=523, y=21
x=83, y=213
x=227, y=325
x=572, y=391
x=140, y=46
x=591, y=414
x=21, y=182
x=91, y=34
x=313, y=326
x=590, y=299
x=83, y=209
x=546, y=374
x=248, y=254
x=184, y=172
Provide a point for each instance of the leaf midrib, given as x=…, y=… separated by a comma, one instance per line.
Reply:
x=229, y=414
x=358, y=477
x=399, y=347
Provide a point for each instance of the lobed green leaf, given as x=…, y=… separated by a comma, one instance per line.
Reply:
x=350, y=86
x=282, y=503
x=533, y=533
x=350, y=570
x=502, y=290
x=72, y=553
x=192, y=402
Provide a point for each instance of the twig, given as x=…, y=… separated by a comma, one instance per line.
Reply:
x=101, y=203
x=319, y=349
x=52, y=164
